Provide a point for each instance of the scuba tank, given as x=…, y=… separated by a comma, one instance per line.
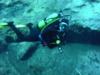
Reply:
x=49, y=20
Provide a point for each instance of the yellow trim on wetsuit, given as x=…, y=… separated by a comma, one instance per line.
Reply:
x=49, y=24
x=48, y=21
x=3, y=25
x=56, y=42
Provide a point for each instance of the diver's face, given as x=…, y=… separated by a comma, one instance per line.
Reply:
x=62, y=26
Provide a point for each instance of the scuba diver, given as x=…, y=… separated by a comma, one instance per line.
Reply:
x=53, y=31
x=50, y=31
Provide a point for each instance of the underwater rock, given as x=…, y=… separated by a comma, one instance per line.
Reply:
x=82, y=11
x=6, y=67
x=73, y=59
x=90, y=63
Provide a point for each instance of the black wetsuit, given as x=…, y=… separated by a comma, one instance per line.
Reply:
x=73, y=34
x=33, y=35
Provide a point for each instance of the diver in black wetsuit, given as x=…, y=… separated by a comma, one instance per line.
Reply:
x=49, y=31
x=55, y=30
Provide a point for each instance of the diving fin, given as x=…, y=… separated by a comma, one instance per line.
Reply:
x=3, y=25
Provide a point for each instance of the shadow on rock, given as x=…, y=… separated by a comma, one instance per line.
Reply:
x=3, y=47
x=31, y=50
x=78, y=34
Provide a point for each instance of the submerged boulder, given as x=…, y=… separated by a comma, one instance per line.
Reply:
x=85, y=12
